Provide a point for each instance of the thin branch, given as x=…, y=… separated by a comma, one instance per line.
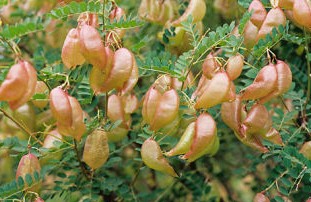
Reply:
x=84, y=171
x=21, y=126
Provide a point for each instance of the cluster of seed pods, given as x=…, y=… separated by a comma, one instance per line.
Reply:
x=19, y=84
x=179, y=41
x=262, y=22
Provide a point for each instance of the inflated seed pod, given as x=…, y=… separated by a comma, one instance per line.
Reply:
x=286, y=4
x=235, y=66
x=28, y=164
x=306, y=150
x=117, y=34
x=260, y=197
x=259, y=13
x=19, y=84
x=275, y=17
x=160, y=109
x=204, y=138
x=117, y=134
x=53, y=136
x=38, y=199
x=215, y=92
x=264, y=83
x=184, y=144
x=196, y=9
x=232, y=114
x=72, y=49
x=116, y=110
x=210, y=66
x=132, y=80
x=119, y=74
x=130, y=103
x=152, y=156
x=41, y=88
x=96, y=149
x=68, y=113
x=88, y=19
x=284, y=81
x=92, y=47
x=250, y=35
x=302, y=13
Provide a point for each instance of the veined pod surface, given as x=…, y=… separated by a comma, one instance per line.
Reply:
x=235, y=66
x=160, y=109
x=204, y=137
x=215, y=92
x=72, y=49
x=152, y=156
x=259, y=13
x=96, y=149
x=196, y=8
x=250, y=35
x=264, y=83
x=92, y=47
x=29, y=164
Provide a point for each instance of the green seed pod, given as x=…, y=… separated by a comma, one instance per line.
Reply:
x=152, y=156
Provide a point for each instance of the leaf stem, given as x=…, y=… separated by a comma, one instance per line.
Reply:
x=21, y=126
x=309, y=68
x=84, y=171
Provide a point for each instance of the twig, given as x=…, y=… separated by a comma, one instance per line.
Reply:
x=84, y=171
x=309, y=69
x=20, y=125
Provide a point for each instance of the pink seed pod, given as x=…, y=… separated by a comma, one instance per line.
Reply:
x=264, y=83
x=118, y=76
x=152, y=156
x=88, y=19
x=260, y=197
x=29, y=164
x=210, y=66
x=116, y=110
x=259, y=13
x=68, y=113
x=92, y=47
x=38, y=199
x=160, y=109
x=235, y=66
x=19, y=84
x=72, y=50
x=215, y=91
x=250, y=35
x=96, y=149
x=41, y=88
x=117, y=34
x=204, y=138
x=275, y=17
x=302, y=13
x=306, y=150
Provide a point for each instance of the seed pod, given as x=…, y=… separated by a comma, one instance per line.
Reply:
x=19, y=84
x=284, y=81
x=235, y=66
x=130, y=103
x=118, y=75
x=160, y=109
x=302, y=13
x=117, y=134
x=53, y=136
x=92, y=47
x=41, y=88
x=50, y=141
x=158, y=12
x=96, y=150
x=250, y=35
x=259, y=13
x=184, y=144
x=264, y=83
x=131, y=82
x=116, y=110
x=204, y=137
x=117, y=34
x=88, y=19
x=286, y=4
x=260, y=197
x=275, y=17
x=231, y=114
x=210, y=66
x=38, y=199
x=72, y=50
x=68, y=113
x=196, y=9
x=152, y=156
x=306, y=150
x=215, y=92
x=29, y=164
